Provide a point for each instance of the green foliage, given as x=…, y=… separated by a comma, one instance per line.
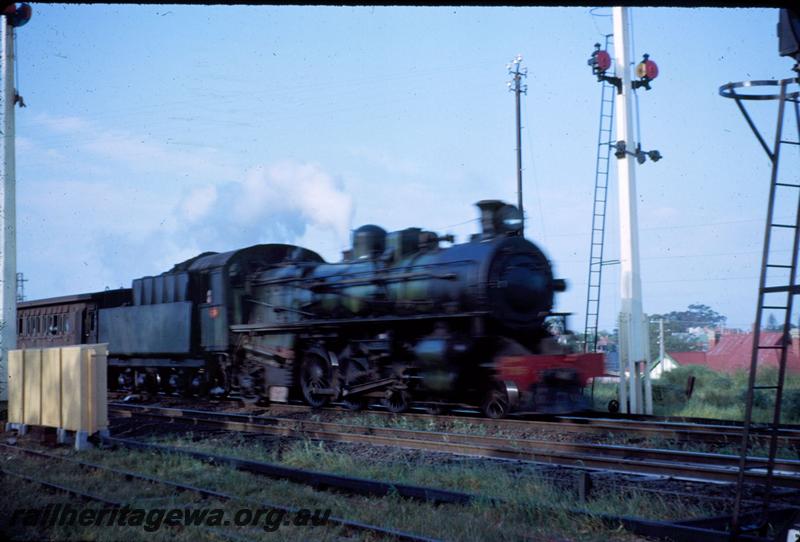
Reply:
x=668, y=393
x=772, y=323
x=716, y=395
x=677, y=325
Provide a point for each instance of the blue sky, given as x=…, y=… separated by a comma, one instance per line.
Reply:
x=153, y=133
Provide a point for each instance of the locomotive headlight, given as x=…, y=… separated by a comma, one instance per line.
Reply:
x=510, y=219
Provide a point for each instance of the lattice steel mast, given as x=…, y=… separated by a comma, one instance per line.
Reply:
x=602, y=167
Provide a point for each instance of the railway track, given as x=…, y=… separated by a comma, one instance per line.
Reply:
x=349, y=525
x=680, y=430
x=678, y=464
x=694, y=530
x=706, y=431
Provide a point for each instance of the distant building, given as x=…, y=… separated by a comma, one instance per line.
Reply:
x=673, y=360
x=731, y=352
x=606, y=345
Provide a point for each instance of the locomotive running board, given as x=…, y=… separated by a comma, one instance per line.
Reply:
x=305, y=324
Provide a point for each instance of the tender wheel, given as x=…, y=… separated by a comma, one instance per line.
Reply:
x=613, y=406
x=315, y=375
x=496, y=404
x=183, y=382
x=147, y=382
x=396, y=401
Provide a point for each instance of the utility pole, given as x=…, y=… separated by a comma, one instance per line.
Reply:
x=516, y=86
x=661, y=346
x=12, y=17
x=631, y=314
x=21, y=280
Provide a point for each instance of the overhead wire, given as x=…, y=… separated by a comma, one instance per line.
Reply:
x=534, y=176
x=197, y=103
x=593, y=14
x=330, y=89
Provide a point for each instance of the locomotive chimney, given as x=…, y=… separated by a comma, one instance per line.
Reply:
x=369, y=241
x=489, y=216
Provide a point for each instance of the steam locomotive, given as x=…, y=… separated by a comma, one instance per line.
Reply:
x=401, y=320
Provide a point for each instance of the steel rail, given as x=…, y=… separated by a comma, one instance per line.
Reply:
x=666, y=493
x=670, y=429
x=690, y=531
x=129, y=475
x=715, y=467
x=308, y=426
x=712, y=431
x=83, y=495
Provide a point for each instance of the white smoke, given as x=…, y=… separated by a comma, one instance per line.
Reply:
x=287, y=202
x=298, y=193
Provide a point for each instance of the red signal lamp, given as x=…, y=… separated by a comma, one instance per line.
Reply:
x=18, y=15
x=647, y=68
x=646, y=71
x=602, y=61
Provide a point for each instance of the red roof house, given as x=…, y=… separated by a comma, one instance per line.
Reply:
x=733, y=353
x=689, y=358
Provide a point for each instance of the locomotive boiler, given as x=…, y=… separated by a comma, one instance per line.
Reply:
x=406, y=317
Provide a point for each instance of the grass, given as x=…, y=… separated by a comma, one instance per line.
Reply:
x=521, y=486
x=529, y=514
x=716, y=395
x=415, y=424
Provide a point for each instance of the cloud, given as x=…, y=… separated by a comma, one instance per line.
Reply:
x=199, y=202
x=107, y=225
x=300, y=193
x=276, y=203
x=63, y=124
x=143, y=153
x=106, y=234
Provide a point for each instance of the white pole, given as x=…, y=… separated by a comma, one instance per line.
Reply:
x=630, y=281
x=648, y=365
x=623, y=378
x=8, y=214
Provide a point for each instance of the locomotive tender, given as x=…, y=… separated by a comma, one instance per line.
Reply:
x=401, y=319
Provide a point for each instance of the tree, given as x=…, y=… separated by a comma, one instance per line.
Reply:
x=772, y=323
x=677, y=337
